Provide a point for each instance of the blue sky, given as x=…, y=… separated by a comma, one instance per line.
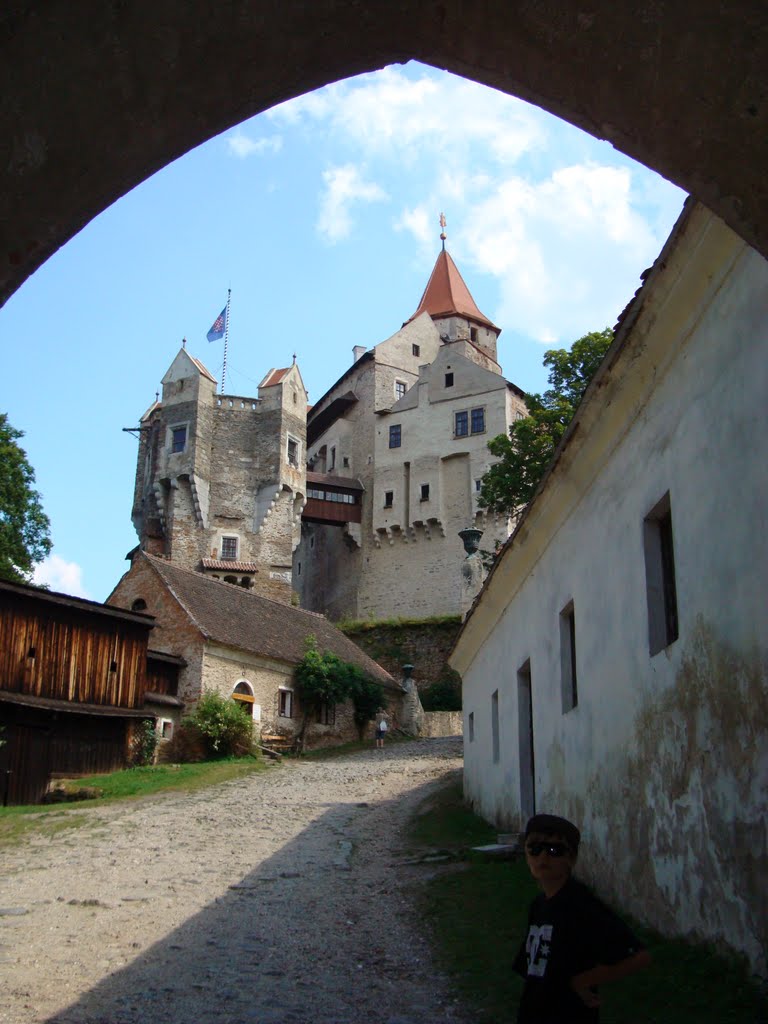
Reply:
x=321, y=215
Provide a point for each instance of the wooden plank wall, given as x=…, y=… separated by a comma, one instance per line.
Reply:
x=71, y=655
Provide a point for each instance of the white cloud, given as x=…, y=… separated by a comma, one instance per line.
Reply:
x=242, y=146
x=344, y=187
x=389, y=113
x=58, y=574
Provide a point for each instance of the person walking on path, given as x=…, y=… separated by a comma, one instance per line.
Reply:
x=381, y=731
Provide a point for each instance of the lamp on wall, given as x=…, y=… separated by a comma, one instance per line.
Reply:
x=470, y=538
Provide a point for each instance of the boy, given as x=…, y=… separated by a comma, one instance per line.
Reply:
x=574, y=942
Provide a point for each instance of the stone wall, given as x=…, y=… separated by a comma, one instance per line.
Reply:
x=442, y=723
x=425, y=645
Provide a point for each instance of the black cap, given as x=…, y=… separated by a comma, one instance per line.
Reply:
x=552, y=825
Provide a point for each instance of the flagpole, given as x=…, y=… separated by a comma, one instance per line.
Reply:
x=226, y=340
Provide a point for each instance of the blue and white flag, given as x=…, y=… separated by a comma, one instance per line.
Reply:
x=219, y=326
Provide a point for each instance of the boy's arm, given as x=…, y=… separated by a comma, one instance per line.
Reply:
x=602, y=973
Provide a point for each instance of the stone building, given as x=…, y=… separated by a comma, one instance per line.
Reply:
x=396, y=451
x=220, y=479
x=614, y=664
x=246, y=647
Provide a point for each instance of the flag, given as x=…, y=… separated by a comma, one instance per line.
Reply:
x=218, y=327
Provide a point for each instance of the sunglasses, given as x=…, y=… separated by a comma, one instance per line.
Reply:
x=553, y=849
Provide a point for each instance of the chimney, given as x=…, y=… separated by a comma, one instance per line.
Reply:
x=358, y=351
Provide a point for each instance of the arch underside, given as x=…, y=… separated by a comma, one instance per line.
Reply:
x=96, y=97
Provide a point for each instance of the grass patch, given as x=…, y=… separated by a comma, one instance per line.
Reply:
x=18, y=822
x=477, y=917
x=364, y=625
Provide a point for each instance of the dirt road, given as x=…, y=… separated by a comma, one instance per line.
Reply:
x=281, y=899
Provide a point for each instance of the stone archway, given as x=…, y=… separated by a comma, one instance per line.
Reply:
x=97, y=97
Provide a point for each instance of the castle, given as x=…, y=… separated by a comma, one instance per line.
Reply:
x=353, y=505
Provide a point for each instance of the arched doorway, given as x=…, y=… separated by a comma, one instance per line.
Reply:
x=243, y=695
x=632, y=76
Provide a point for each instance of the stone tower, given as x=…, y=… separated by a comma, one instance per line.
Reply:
x=221, y=479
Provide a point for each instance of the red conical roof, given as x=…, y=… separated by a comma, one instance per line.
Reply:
x=446, y=295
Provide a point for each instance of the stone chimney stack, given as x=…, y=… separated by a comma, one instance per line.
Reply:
x=358, y=351
x=412, y=717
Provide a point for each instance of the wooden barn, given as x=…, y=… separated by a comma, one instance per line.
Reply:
x=73, y=687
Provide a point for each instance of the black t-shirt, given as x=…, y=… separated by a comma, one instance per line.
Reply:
x=567, y=934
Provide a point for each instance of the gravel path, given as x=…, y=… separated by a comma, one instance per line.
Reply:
x=281, y=899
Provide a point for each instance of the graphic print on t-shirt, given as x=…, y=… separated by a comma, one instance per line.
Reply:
x=537, y=947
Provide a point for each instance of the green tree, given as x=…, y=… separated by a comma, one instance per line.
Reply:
x=527, y=450
x=24, y=527
x=325, y=678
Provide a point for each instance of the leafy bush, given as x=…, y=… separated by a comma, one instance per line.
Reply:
x=444, y=695
x=143, y=745
x=226, y=730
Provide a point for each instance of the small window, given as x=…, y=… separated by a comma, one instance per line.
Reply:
x=416, y=350
x=461, y=424
x=389, y=497
x=293, y=452
x=425, y=492
x=285, y=703
x=333, y=460
x=178, y=439
x=326, y=713
x=473, y=335
x=139, y=605
x=495, y=741
x=478, y=421
x=569, y=692
x=471, y=724
x=449, y=380
x=345, y=461
x=395, y=436
x=298, y=569
x=229, y=549
x=478, y=486
x=166, y=729
x=400, y=388
x=661, y=588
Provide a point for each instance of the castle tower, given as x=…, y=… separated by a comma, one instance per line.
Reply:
x=454, y=312
x=221, y=479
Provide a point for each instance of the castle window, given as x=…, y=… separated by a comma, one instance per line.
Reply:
x=400, y=388
x=416, y=350
x=229, y=549
x=425, y=492
x=293, y=452
x=449, y=380
x=345, y=462
x=478, y=421
x=661, y=589
x=178, y=439
x=326, y=713
x=478, y=485
x=139, y=605
x=389, y=497
x=473, y=335
x=568, y=681
x=333, y=460
x=395, y=436
x=461, y=424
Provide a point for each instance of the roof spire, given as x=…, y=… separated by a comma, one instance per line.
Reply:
x=443, y=235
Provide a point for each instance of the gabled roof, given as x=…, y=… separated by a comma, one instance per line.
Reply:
x=274, y=377
x=446, y=294
x=205, y=372
x=234, y=617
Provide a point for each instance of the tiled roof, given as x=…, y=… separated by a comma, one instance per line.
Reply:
x=234, y=617
x=202, y=369
x=219, y=563
x=274, y=377
x=349, y=482
x=446, y=294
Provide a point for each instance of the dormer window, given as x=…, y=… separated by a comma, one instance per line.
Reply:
x=229, y=549
x=178, y=439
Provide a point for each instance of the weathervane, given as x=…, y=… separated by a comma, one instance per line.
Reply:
x=443, y=235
